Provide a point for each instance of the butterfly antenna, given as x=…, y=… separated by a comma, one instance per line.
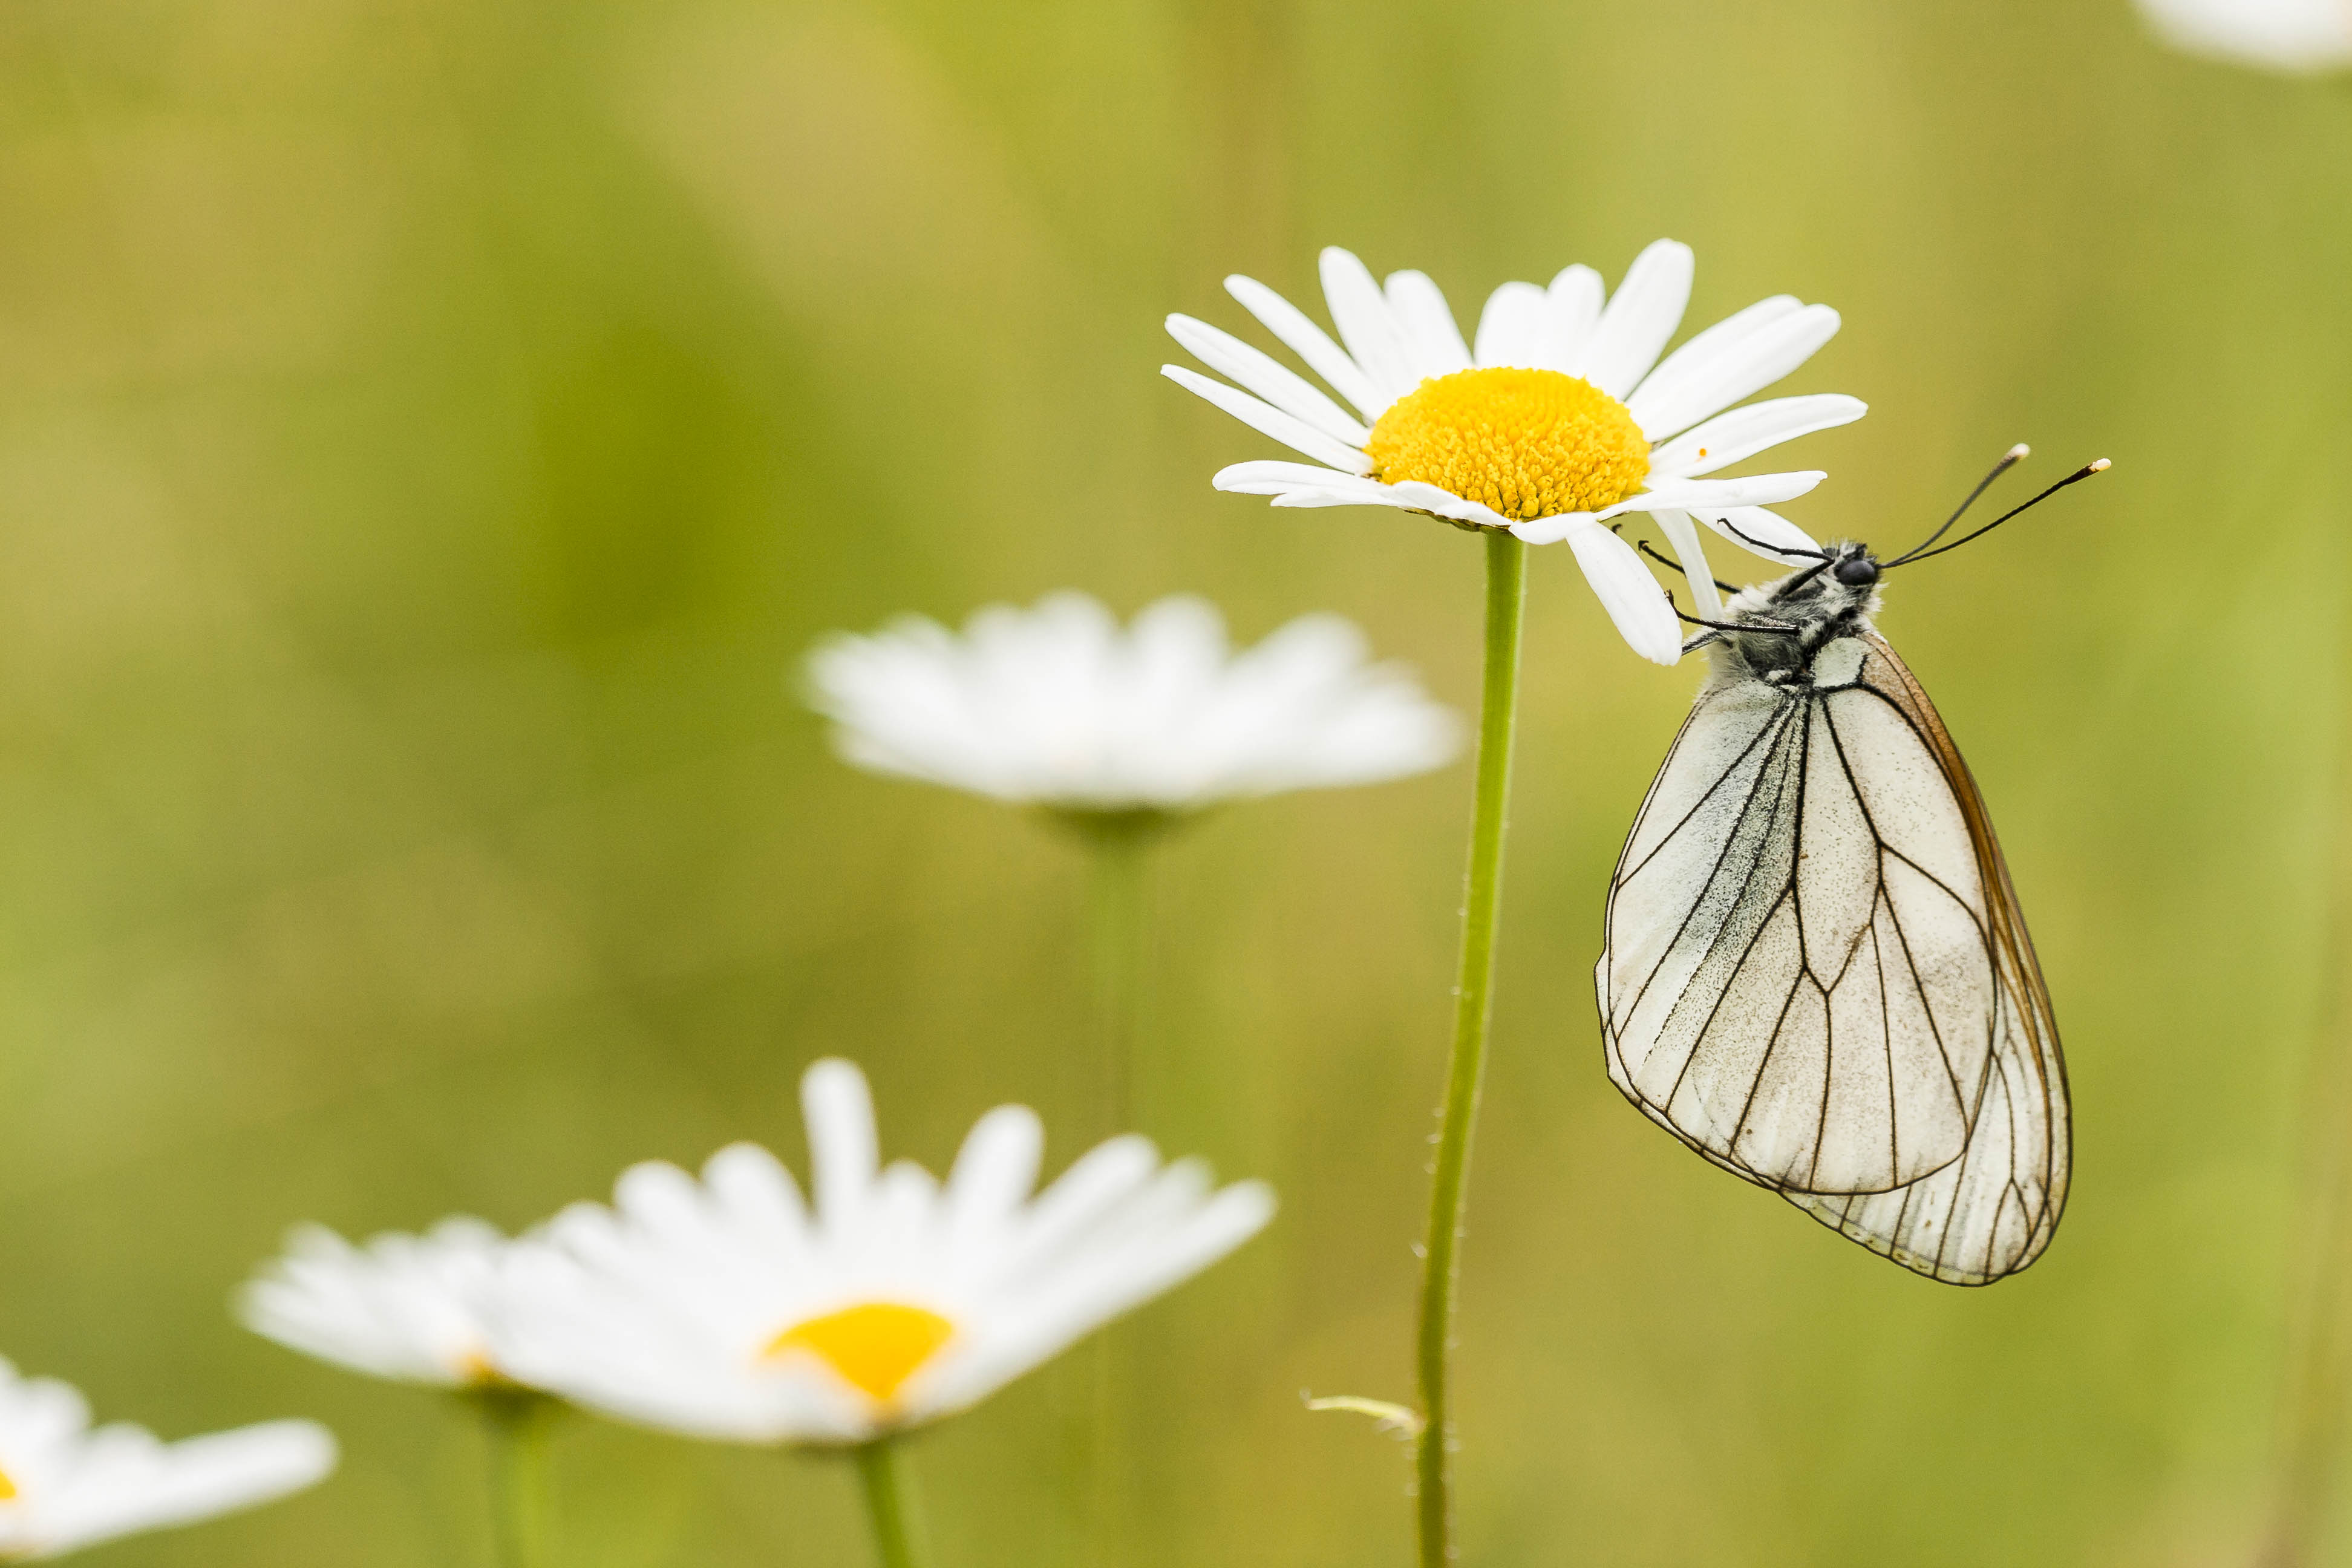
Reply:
x=1763, y=548
x=1730, y=626
x=2076, y=478
x=1664, y=560
x=2009, y=460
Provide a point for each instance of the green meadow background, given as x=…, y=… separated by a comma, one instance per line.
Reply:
x=430, y=430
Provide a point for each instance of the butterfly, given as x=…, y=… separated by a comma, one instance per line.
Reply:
x=1815, y=972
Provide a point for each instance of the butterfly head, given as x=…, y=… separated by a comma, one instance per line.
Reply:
x=1854, y=566
x=1828, y=597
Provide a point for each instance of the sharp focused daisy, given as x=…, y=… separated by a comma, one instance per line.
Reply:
x=400, y=1306
x=2300, y=38
x=64, y=1486
x=728, y=1307
x=1558, y=416
x=1060, y=707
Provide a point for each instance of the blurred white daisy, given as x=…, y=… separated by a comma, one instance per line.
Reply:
x=1060, y=707
x=726, y=1307
x=64, y=1486
x=2300, y=38
x=1558, y=417
x=402, y=1307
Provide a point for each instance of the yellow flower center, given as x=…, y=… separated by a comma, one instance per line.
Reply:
x=1528, y=443
x=875, y=1346
x=7, y=1488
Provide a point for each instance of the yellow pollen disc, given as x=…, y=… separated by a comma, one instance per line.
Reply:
x=7, y=1488
x=875, y=1346
x=1528, y=443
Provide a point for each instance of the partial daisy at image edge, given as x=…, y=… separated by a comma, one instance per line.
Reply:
x=724, y=1306
x=2297, y=37
x=1059, y=705
x=1558, y=417
x=65, y=1485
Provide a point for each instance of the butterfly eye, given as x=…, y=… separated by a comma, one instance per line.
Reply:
x=1859, y=569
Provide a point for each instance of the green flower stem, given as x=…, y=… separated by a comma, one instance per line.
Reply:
x=2317, y=1383
x=2318, y=1378
x=890, y=1504
x=517, y=1420
x=1506, y=569
x=1119, y=849
x=1119, y=846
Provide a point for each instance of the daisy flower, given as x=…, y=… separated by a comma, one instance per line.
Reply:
x=64, y=1486
x=1555, y=418
x=728, y=1307
x=400, y=1306
x=409, y=1308
x=1058, y=706
x=2300, y=38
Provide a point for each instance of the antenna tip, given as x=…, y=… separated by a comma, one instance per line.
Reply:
x=2098, y=466
x=2019, y=453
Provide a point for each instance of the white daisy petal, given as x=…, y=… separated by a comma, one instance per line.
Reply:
x=997, y=1167
x=1717, y=495
x=1419, y=308
x=1271, y=477
x=129, y=1483
x=1235, y=360
x=1311, y=343
x=2297, y=37
x=1640, y=318
x=1360, y=312
x=948, y=1293
x=1684, y=536
x=1751, y=526
x=1511, y=328
x=72, y=1486
x=1736, y=437
x=1732, y=370
x=1677, y=371
x=1574, y=310
x=1627, y=590
x=1354, y=491
x=1264, y=417
x=1060, y=706
x=1428, y=498
x=1550, y=529
x=842, y=1148
x=1325, y=496
x=757, y=1194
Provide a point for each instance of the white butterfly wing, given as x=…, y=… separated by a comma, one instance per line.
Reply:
x=1815, y=974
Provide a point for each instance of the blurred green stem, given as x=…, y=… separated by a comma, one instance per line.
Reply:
x=1507, y=568
x=1119, y=848
x=890, y=1504
x=2317, y=1382
x=517, y=1420
x=2314, y=1390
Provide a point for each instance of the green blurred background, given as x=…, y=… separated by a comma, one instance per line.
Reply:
x=430, y=429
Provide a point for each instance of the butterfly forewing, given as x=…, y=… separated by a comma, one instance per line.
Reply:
x=1816, y=976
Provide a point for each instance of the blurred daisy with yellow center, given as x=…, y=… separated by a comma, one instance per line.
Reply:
x=727, y=1307
x=66, y=1484
x=1560, y=418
